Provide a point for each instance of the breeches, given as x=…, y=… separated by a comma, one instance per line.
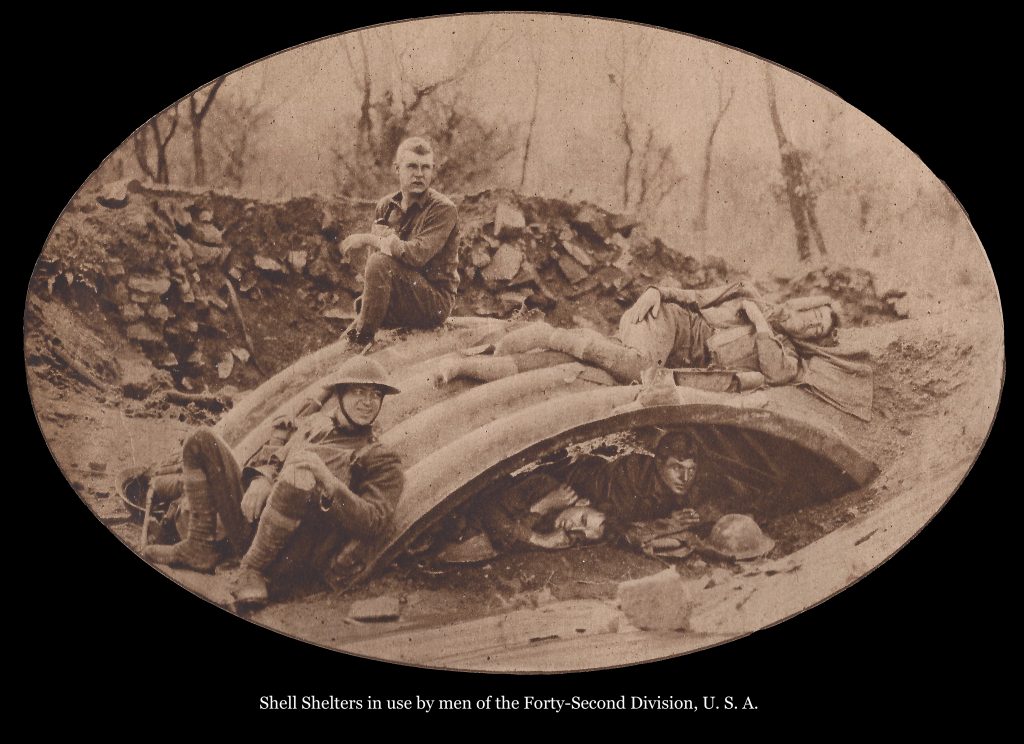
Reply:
x=397, y=295
x=204, y=450
x=312, y=542
x=676, y=338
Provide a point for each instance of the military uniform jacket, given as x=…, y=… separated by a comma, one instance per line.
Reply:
x=373, y=472
x=426, y=236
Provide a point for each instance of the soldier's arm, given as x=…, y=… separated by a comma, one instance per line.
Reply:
x=269, y=459
x=366, y=510
x=777, y=358
x=498, y=516
x=424, y=244
x=502, y=529
x=710, y=295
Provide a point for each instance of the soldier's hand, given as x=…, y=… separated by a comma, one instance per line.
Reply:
x=753, y=312
x=382, y=231
x=556, y=540
x=255, y=499
x=311, y=462
x=686, y=516
x=648, y=304
x=354, y=241
x=561, y=497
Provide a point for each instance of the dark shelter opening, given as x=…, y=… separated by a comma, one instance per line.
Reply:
x=616, y=489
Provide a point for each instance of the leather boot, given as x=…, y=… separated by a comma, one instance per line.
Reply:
x=198, y=550
x=250, y=587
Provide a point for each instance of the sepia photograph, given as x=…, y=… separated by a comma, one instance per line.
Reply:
x=512, y=343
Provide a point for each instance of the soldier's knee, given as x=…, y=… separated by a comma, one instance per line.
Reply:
x=199, y=443
x=292, y=495
x=379, y=264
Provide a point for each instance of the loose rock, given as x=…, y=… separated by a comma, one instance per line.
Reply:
x=662, y=601
x=378, y=609
x=267, y=264
x=225, y=365
x=504, y=264
x=572, y=269
x=207, y=234
x=508, y=221
x=142, y=332
x=149, y=285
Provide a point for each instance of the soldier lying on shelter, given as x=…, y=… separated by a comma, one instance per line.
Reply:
x=318, y=491
x=728, y=328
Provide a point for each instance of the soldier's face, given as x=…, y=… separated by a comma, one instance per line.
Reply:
x=415, y=172
x=678, y=474
x=808, y=324
x=361, y=402
x=581, y=522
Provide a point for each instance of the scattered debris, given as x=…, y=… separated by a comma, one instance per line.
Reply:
x=508, y=220
x=572, y=269
x=378, y=609
x=268, y=264
x=504, y=264
x=225, y=365
x=149, y=285
x=297, y=260
x=154, y=265
x=114, y=196
x=662, y=601
x=580, y=255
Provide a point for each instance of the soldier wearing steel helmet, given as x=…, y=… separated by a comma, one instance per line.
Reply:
x=321, y=487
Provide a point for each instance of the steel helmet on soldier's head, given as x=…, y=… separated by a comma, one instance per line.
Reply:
x=361, y=370
x=738, y=536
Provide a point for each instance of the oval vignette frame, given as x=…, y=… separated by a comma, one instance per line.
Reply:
x=833, y=599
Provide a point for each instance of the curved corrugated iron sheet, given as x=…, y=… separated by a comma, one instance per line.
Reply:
x=456, y=438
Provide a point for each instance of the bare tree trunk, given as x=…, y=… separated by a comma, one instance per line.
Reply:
x=141, y=145
x=700, y=221
x=161, y=173
x=801, y=198
x=627, y=139
x=196, y=116
x=533, y=119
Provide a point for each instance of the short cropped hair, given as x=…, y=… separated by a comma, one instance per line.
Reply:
x=677, y=444
x=418, y=145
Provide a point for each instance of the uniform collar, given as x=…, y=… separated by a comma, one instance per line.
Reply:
x=344, y=426
x=427, y=197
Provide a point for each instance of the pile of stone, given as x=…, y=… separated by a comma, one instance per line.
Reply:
x=217, y=289
x=186, y=277
x=579, y=264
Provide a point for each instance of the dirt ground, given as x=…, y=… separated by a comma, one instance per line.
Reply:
x=936, y=384
x=160, y=268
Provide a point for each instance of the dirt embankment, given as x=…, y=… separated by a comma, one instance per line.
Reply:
x=219, y=291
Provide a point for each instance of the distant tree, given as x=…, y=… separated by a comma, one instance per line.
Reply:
x=650, y=171
x=152, y=137
x=397, y=101
x=799, y=194
x=197, y=115
x=700, y=220
x=535, y=57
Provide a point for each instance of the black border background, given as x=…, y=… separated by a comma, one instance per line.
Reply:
x=916, y=637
